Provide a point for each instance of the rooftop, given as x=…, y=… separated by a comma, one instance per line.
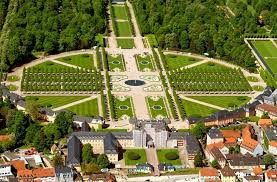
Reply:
x=268, y=108
x=215, y=133
x=208, y=171
x=227, y=171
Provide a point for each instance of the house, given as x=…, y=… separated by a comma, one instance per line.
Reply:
x=18, y=165
x=265, y=108
x=271, y=176
x=270, y=133
x=272, y=99
x=192, y=148
x=63, y=174
x=39, y=174
x=235, y=135
x=272, y=147
x=227, y=174
x=208, y=174
x=93, y=122
x=214, y=136
x=144, y=168
x=244, y=162
x=215, y=154
x=5, y=172
x=251, y=179
x=265, y=122
x=248, y=144
x=53, y=149
x=9, y=156
x=166, y=167
x=103, y=177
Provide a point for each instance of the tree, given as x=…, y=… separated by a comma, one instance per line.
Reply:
x=58, y=160
x=265, y=116
x=32, y=108
x=90, y=168
x=103, y=161
x=64, y=122
x=215, y=164
x=198, y=160
x=31, y=131
x=40, y=142
x=87, y=153
x=269, y=160
x=199, y=130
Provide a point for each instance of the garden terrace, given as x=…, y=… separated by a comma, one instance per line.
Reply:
x=177, y=61
x=169, y=156
x=145, y=63
x=156, y=107
x=88, y=108
x=134, y=156
x=59, y=79
x=193, y=109
x=123, y=107
x=209, y=80
x=116, y=63
x=83, y=60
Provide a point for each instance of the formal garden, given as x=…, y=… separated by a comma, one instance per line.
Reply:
x=177, y=61
x=89, y=108
x=169, y=156
x=134, y=156
x=205, y=79
x=124, y=43
x=123, y=107
x=193, y=109
x=116, y=63
x=156, y=107
x=145, y=63
x=60, y=79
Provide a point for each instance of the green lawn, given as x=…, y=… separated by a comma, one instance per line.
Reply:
x=83, y=60
x=123, y=107
x=12, y=78
x=152, y=40
x=176, y=61
x=124, y=29
x=120, y=12
x=268, y=51
x=197, y=110
x=12, y=87
x=162, y=159
x=210, y=65
x=54, y=101
x=126, y=43
x=142, y=159
x=89, y=108
x=258, y=88
x=50, y=64
x=145, y=63
x=223, y=101
x=157, y=109
x=252, y=79
x=116, y=62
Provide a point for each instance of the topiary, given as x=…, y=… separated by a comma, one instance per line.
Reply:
x=171, y=156
x=133, y=156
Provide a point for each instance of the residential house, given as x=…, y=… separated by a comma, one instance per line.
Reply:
x=270, y=134
x=251, y=179
x=245, y=162
x=5, y=172
x=248, y=144
x=265, y=122
x=227, y=174
x=214, y=136
x=166, y=167
x=265, y=108
x=271, y=176
x=39, y=174
x=208, y=174
x=63, y=174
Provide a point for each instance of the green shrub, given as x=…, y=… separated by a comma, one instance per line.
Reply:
x=211, y=64
x=171, y=156
x=133, y=156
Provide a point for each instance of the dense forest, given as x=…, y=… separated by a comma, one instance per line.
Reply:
x=211, y=26
x=49, y=26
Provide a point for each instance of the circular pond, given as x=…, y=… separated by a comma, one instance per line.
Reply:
x=115, y=62
x=157, y=107
x=144, y=62
x=134, y=82
x=123, y=107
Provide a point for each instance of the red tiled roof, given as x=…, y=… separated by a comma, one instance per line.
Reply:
x=230, y=140
x=26, y=173
x=43, y=172
x=231, y=134
x=18, y=165
x=257, y=170
x=265, y=121
x=249, y=144
x=217, y=145
x=272, y=174
x=246, y=134
x=5, y=138
x=273, y=143
x=268, y=108
x=208, y=171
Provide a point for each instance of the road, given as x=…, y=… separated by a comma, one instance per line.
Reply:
x=177, y=178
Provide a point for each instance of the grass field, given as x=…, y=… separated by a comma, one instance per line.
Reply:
x=54, y=101
x=12, y=87
x=120, y=12
x=152, y=40
x=223, y=101
x=49, y=64
x=258, y=88
x=89, y=108
x=269, y=52
x=140, y=152
x=145, y=63
x=124, y=29
x=156, y=108
x=252, y=79
x=197, y=110
x=116, y=63
x=12, y=78
x=83, y=60
x=126, y=43
x=162, y=159
x=124, y=107
x=176, y=61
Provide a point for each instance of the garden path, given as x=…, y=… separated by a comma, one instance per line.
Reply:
x=75, y=103
x=273, y=42
x=202, y=103
x=152, y=159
